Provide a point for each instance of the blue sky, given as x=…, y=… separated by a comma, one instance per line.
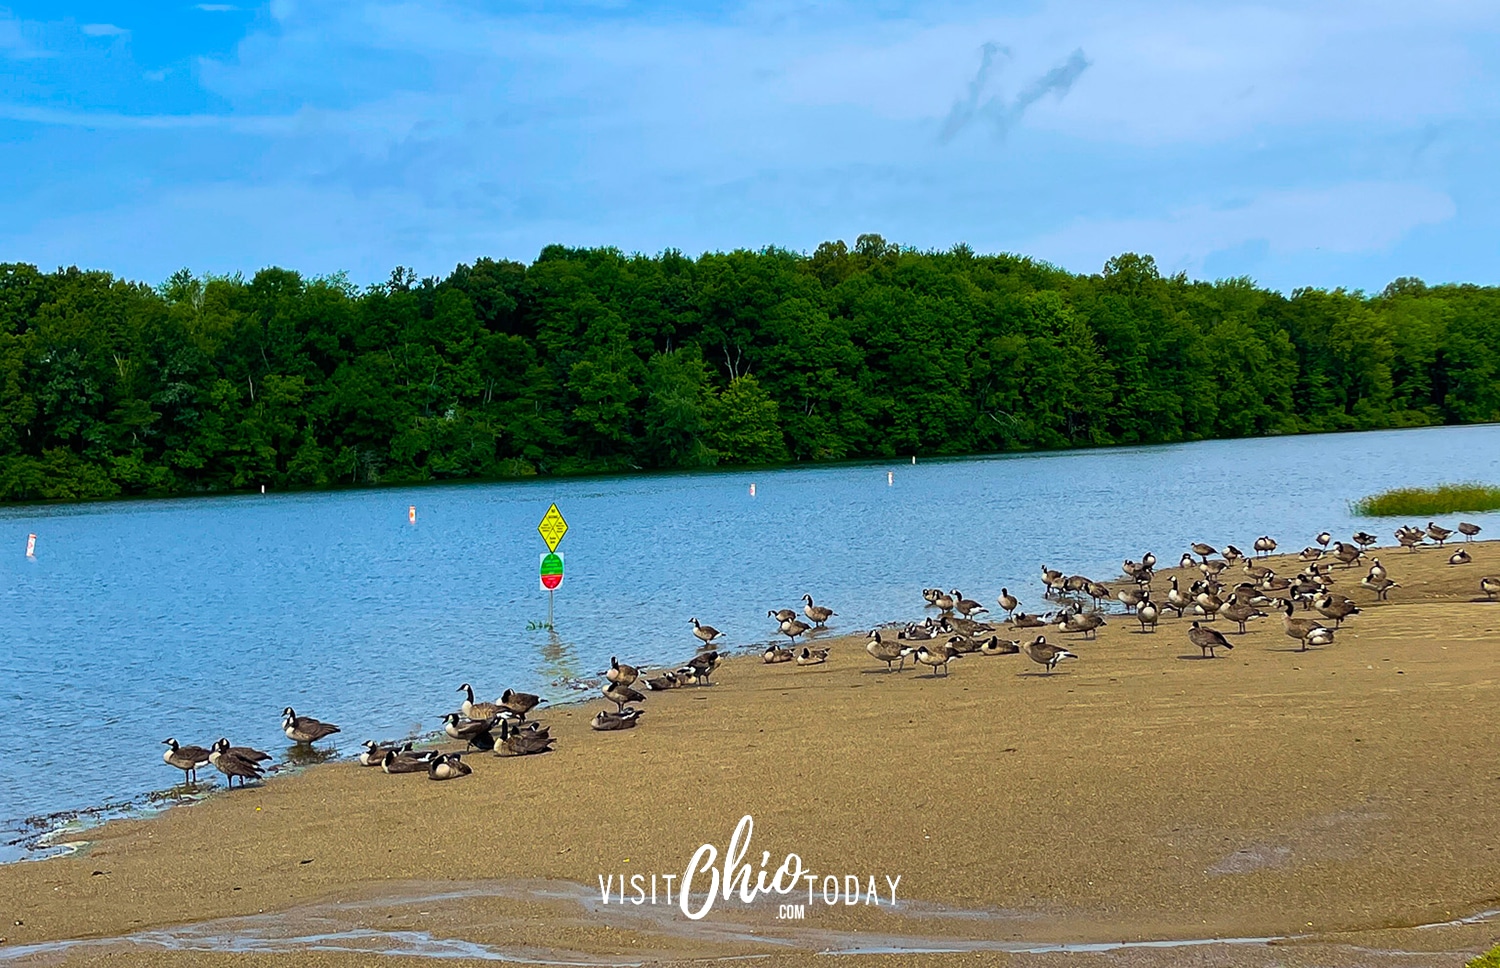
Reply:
x=1321, y=142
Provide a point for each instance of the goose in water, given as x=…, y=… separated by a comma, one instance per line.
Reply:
x=1008, y=602
x=817, y=613
x=1208, y=640
x=185, y=758
x=1046, y=654
x=232, y=765
x=705, y=633
x=781, y=614
x=793, y=629
x=304, y=729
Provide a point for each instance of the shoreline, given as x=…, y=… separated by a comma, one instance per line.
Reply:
x=1139, y=794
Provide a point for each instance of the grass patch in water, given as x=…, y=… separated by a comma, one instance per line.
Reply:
x=1490, y=960
x=1417, y=501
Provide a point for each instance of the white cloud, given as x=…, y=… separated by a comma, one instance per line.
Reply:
x=1362, y=217
x=215, y=7
x=104, y=30
x=14, y=44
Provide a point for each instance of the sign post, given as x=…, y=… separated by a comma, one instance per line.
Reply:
x=552, y=528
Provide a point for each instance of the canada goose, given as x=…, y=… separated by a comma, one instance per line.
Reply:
x=705, y=633
x=519, y=703
x=1208, y=640
x=1377, y=570
x=1298, y=628
x=185, y=758
x=700, y=666
x=394, y=762
x=1459, y=557
x=929, y=594
x=937, y=657
x=447, y=766
x=772, y=655
x=1438, y=534
x=620, y=695
x=1468, y=530
x=476, y=733
x=1048, y=655
x=1213, y=568
x=961, y=644
x=1319, y=636
x=669, y=680
x=785, y=614
x=232, y=765
x=1147, y=614
x=1323, y=539
x=966, y=607
x=1232, y=554
x=476, y=710
x=1240, y=613
x=817, y=613
x=374, y=752
x=887, y=652
x=995, y=645
x=1085, y=622
x=793, y=629
x=1148, y=560
x=916, y=632
x=1410, y=540
x=1008, y=602
x=1337, y=609
x=1310, y=554
x=520, y=742
x=1258, y=572
x=1176, y=600
x=1348, y=554
x=967, y=626
x=1204, y=550
x=1364, y=539
x=304, y=729
x=1209, y=602
x=607, y=720
x=1490, y=587
x=1380, y=586
x=1186, y=561
x=1264, y=545
x=1131, y=597
x=944, y=601
x=1021, y=620
x=623, y=674
x=809, y=657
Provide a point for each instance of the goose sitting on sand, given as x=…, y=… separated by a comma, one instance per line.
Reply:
x=1085, y=622
x=1008, y=602
x=185, y=758
x=304, y=729
x=1046, y=654
x=1469, y=531
x=1490, y=587
x=1437, y=533
x=374, y=752
x=1460, y=557
x=773, y=655
x=882, y=651
x=1022, y=620
x=521, y=742
x=937, y=656
x=606, y=721
x=809, y=657
x=670, y=680
x=1208, y=640
x=447, y=766
x=995, y=645
x=704, y=633
x=394, y=762
x=817, y=613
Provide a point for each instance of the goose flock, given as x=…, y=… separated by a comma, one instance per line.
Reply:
x=1233, y=587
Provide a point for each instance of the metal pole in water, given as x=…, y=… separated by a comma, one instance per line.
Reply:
x=549, y=609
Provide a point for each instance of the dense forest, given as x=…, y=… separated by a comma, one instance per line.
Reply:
x=593, y=360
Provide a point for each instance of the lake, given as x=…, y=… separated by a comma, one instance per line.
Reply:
x=203, y=617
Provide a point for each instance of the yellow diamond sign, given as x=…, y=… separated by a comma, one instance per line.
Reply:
x=553, y=527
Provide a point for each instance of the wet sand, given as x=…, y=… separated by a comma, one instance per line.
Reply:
x=1337, y=797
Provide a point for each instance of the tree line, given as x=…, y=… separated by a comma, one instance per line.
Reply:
x=592, y=360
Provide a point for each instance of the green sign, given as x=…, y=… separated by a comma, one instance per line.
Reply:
x=551, y=571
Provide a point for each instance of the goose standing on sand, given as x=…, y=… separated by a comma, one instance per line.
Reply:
x=700, y=667
x=705, y=633
x=304, y=729
x=1232, y=554
x=1437, y=533
x=938, y=657
x=1299, y=628
x=793, y=629
x=447, y=766
x=1186, y=561
x=1380, y=586
x=470, y=709
x=1132, y=597
x=232, y=765
x=519, y=703
x=1208, y=640
x=605, y=721
x=1176, y=600
x=1044, y=653
x=966, y=607
x=1204, y=550
x=621, y=695
x=1147, y=614
x=1008, y=602
x=1087, y=623
x=1239, y=613
x=476, y=733
x=1411, y=540
x=1490, y=587
x=1337, y=609
x=1377, y=570
x=1364, y=539
x=887, y=652
x=623, y=674
x=1323, y=539
x=1264, y=545
x=1468, y=530
x=944, y=601
x=185, y=758
x=817, y=613
x=1459, y=557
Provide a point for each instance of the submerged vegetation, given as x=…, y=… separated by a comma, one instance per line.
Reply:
x=592, y=360
x=1418, y=501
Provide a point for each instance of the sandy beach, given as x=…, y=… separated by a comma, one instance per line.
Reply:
x=1336, y=798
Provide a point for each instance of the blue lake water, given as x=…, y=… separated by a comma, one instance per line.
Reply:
x=204, y=617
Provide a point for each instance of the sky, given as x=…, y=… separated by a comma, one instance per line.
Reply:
x=1314, y=143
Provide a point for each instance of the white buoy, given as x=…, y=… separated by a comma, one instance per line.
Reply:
x=31, y=546
x=752, y=490
x=411, y=514
x=262, y=489
x=890, y=478
x=913, y=458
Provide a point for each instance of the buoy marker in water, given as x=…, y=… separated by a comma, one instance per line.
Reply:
x=913, y=458
x=890, y=478
x=31, y=546
x=262, y=489
x=411, y=514
x=752, y=490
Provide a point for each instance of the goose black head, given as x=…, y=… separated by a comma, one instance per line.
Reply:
x=169, y=741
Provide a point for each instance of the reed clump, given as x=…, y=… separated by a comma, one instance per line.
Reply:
x=1417, y=501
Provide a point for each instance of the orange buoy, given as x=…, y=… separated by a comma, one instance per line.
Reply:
x=411, y=514
x=752, y=490
x=31, y=546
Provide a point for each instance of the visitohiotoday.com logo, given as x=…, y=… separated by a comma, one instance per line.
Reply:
x=736, y=880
